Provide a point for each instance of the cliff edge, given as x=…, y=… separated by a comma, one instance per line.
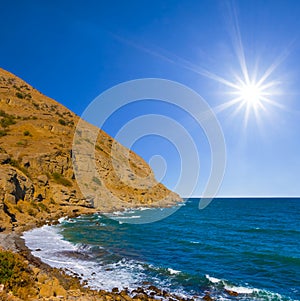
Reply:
x=37, y=179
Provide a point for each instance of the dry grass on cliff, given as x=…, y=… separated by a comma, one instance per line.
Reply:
x=16, y=276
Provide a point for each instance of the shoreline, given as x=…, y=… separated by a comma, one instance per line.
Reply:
x=11, y=241
x=72, y=287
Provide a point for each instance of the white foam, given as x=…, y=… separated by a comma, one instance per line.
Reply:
x=241, y=289
x=124, y=212
x=129, y=217
x=46, y=237
x=53, y=250
x=213, y=279
x=70, y=221
x=237, y=289
x=144, y=208
x=60, y=220
x=173, y=272
x=116, y=213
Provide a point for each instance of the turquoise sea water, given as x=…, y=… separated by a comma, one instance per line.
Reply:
x=251, y=246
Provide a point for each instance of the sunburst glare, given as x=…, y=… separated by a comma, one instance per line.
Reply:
x=252, y=91
x=251, y=94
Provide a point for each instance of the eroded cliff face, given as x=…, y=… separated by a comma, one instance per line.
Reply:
x=37, y=179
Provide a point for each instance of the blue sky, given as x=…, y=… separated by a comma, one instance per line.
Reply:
x=74, y=50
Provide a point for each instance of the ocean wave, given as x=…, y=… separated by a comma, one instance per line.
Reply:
x=47, y=237
x=173, y=272
x=59, y=253
x=74, y=259
x=213, y=279
x=244, y=293
x=125, y=212
x=230, y=287
x=241, y=289
x=144, y=208
x=60, y=220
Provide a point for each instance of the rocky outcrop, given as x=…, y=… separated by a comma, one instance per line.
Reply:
x=37, y=177
x=14, y=185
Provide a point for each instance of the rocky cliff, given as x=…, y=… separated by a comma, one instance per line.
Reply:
x=37, y=178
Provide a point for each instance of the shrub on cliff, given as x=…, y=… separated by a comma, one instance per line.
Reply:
x=27, y=133
x=58, y=178
x=15, y=275
x=6, y=119
x=3, y=133
x=19, y=95
x=62, y=122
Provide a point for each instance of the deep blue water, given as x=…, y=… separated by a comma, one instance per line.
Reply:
x=251, y=246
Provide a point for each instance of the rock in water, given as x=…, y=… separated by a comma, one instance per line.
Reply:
x=231, y=293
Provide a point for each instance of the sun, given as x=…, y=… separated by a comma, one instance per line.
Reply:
x=251, y=94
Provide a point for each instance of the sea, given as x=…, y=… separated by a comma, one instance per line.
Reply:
x=247, y=245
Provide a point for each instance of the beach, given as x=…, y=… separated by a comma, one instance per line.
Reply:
x=56, y=285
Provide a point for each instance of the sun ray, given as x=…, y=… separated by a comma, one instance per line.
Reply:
x=238, y=109
x=274, y=103
x=226, y=105
x=247, y=113
x=251, y=89
x=237, y=41
x=274, y=65
x=256, y=114
x=268, y=85
x=262, y=107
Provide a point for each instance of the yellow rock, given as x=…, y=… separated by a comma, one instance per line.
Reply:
x=36, y=140
x=52, y=288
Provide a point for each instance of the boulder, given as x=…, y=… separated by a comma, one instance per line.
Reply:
x=52, y=289
x=207, y=297
x=15, y=185
x=231, y=293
